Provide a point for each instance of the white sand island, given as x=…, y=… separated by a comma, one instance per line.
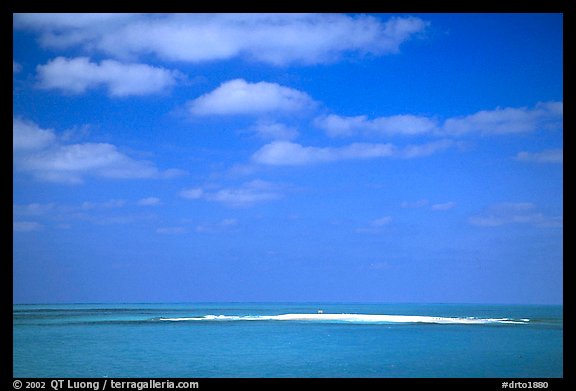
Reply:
x=359, y=318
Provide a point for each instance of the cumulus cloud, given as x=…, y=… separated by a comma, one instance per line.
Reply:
x=224, y=225
x=33, y=209
x=381, y=221
x=289, y=153
x=111, y=204
x=414, y=204
x=335, y=125
x=422, y=203
x=16, y=67
x=247, y=194
x=76, y=75
x=150, y=201
x=507, y=120
x=26, y=226
x=515, y=213
x=375, y=226
x=274, y=131
x=500, y=121
x=40, y=153
x=276, y=39
x=172, y=230
x=192, y=194
x=28, y=136
x=96, y=212
x=546, y=156
x=443, y=206
x=241, y=97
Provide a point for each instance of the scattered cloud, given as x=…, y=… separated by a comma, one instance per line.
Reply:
x=546, y=156
x=247, y=194
x=224, y=225
x=547, y=115
x=414, y=204
x=426, y=149
x=269, y=130
x=381, y=221
x=380, y=266
x=515, y=213
x=16, y=67
x=111, y=204
x=192, y=194
x=335, y=125
x=61, y=210
x=76, y=75
x=239, y=97
x=275, y=39
x=425, y=203
x=150, y=201
x=443, y=206
x=28, y=136
x=376, y=226
x=172, y=230
x=288, y=153
x=40, y=153
x=26, y=226
x=507, y=120
x=95, y=212
x=33, y=209
x=71, y=163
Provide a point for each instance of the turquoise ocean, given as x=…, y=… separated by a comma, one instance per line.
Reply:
x=288, y=340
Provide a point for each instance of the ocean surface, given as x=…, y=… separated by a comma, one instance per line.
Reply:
x=259, y=340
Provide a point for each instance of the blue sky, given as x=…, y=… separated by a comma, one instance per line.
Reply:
x=229, y=157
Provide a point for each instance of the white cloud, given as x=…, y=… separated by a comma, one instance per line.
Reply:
x=546, y=156
x=111, y=204
x=224, y=225
x=547, y=115
x=514, y=213
x=33, y=209
x=247, y=194
x=276, y=39
x=241, y=97
x=76, y=75
x=60, y=22
x=94, y=212
x=150, y=201
x=427, y=149
x=424, y=203
x=414, y=204
x=192, y=194
x=26, y=226
x=443, y=206
x=376, y=226
x=380, y=266
x=381, y=221
x=274, y=131
x=289, y=153
x=507, y=120
x=26, y=135
x=16, y=67
x=40, y=153
x=171, y=230
x=335, y=125
x=70, y=163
